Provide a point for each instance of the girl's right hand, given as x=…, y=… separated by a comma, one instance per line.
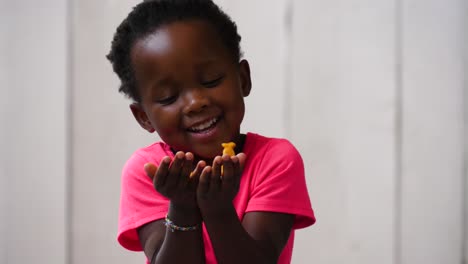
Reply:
x=216, y=189
x=175, y=179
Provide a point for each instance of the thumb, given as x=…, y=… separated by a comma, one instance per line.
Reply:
x=150, y=170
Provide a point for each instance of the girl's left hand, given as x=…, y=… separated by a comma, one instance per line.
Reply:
x=215, y=190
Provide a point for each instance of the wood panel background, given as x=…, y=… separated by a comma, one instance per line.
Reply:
x=373, y=94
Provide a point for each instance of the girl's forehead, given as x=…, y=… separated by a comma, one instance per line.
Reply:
x=158, y=41
x=178, y=47
x=192, y=35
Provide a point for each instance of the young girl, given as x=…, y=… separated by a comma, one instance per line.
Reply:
x=182, y=201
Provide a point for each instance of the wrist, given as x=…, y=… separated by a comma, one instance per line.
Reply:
x=184, y=215
x=222, y=212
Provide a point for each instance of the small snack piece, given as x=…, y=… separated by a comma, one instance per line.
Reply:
x=229, y=148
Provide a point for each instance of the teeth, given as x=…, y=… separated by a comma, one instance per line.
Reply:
x=204, y=125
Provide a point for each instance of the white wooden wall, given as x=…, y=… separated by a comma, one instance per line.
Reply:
x=33, y=86
x=372, y=92
x=3, y=119
x=344, y=77
x=432, y=151
x=104, y=136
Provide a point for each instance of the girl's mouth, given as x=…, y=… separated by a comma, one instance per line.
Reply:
x=205, y=126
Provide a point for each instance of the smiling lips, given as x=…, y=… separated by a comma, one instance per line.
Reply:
x=205, y=126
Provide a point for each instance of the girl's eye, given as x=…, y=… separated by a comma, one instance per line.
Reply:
x=213, y=83
x=167, y=101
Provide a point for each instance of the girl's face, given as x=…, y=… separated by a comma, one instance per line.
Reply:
x=192, y=93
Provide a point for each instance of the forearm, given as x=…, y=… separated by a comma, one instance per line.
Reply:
x=182, y=246
x=231, y=242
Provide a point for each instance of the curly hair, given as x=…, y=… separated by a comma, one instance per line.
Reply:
x=148, y=16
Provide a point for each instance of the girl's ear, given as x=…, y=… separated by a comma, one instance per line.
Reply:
x=141, y=117
x=246, y=82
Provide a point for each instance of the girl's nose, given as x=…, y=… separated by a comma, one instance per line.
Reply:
x=195, y=101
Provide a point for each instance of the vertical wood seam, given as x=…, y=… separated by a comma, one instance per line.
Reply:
x=288, y=53
x=69, y=131
x=464, y=244
x=398, y=130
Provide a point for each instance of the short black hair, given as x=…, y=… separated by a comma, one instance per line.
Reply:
x=148, y=16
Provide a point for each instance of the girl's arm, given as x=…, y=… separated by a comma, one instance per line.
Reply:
x=161, y=245
x=261, y=236
x=174, y=180
x=259, y=239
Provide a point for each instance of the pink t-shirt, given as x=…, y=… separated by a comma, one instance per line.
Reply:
x=273, y=180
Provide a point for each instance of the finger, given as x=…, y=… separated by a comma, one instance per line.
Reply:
x=228, y=173
x=204, y=182
x=217, y=162
x=150, y=169
x=161, y=173
x=198, y=169
x=174, y=169
x=236, y=168
x=195, y=174
x=237, y=171
x=242, y=158
x=184, y=176
x=215, y=181
x=235, y=164
x=239, y=168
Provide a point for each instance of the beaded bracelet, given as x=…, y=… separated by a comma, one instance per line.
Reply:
x=168, y=223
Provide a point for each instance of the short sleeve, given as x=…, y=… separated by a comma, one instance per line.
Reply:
x=140, y=203
x=280, y=184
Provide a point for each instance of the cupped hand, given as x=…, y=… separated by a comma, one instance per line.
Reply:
x=219, y=183
x=176, y=179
